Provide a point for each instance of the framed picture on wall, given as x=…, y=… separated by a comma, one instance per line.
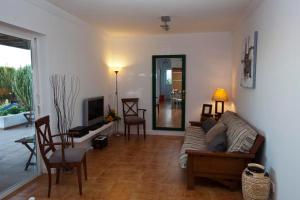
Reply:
x=248, y=62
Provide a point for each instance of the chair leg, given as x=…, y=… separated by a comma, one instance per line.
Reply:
x=79, y=178
x=84, y=167
x=138, y=129
x=57, y=175
x=49, y=181
x=128, y=132
x=144, y=126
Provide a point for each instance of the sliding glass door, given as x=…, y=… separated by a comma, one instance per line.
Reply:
x=18, y=153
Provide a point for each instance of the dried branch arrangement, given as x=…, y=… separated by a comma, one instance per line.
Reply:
x=64, y=99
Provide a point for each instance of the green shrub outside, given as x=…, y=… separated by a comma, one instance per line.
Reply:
x=7, y=75
x=13, y=110
x=19, y=84
x=22, y=87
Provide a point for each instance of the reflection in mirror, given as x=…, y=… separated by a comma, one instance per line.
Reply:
x=169, y=92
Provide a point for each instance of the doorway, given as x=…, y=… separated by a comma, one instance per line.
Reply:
x=18, y=160
x=168, y=93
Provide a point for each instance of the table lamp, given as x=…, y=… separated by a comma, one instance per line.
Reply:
x=220, y=96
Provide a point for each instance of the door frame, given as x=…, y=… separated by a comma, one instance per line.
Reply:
x=33, y=38
x=154, y=57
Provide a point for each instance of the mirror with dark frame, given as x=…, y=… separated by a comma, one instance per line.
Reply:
x=168, y=94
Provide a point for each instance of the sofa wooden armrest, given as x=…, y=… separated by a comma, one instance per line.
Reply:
x=195, y=123
x=224, y=167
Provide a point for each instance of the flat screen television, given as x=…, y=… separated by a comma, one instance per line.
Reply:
x=93, y=111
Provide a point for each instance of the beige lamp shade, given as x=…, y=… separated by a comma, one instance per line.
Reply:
x=220, y=95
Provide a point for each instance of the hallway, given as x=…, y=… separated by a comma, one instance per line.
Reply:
x=169, y=115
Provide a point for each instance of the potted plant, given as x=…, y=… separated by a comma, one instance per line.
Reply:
x=111, y=115
x=11, y=115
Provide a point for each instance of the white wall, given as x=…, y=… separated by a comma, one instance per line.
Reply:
x=208, y=66
x=273, y=106
x=66, y=45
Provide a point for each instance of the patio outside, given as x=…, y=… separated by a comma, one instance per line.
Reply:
x=16, y=114
x=13, y=157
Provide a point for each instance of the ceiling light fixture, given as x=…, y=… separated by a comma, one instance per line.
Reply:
x=165, y=20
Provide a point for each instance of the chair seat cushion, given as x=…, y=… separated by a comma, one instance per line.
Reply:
x=72, y=155
x=134, y=120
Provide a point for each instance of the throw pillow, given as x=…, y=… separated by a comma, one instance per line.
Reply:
x=214, y=131
x=208, y=124
x=219, y=143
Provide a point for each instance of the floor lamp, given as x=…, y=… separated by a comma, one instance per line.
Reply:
x=117, y=105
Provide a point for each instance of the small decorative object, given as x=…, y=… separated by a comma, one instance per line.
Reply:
x=255, y=182
x=220, y=96
x=100, y=142
x=248, y=64
x=165, y=20
x=111, y=115
x=206, y=112
x=206, y=109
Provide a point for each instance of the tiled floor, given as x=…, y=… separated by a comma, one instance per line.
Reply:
x=13, y=157
x=131, y=170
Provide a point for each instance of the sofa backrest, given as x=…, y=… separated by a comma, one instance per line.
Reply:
x=240, y=135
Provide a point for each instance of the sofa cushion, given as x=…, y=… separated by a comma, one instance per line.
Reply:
x=194, y=139
x=240, y=136
x=218, y=143
x=227, y=116
x=208, y=124
x=214, y=131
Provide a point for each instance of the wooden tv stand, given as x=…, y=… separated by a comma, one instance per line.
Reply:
x=86, y=140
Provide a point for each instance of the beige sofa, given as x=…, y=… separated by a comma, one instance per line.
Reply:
x=243, y=143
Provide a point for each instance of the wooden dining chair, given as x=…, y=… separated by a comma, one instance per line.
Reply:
x=131, y=116
x=65, y=157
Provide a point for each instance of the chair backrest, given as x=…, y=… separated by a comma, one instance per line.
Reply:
x=130, y=107
x=43, y=133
